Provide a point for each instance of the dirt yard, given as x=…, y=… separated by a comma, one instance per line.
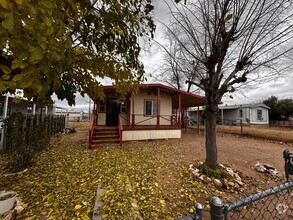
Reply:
x=240, y=153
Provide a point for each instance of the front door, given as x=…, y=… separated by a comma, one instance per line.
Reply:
x=112, y=112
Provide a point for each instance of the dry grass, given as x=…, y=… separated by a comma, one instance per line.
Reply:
x=272, y=134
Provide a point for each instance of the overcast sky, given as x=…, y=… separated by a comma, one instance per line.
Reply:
x=282, y=87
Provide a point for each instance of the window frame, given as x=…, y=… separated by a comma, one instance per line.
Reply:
x=259, y=113
x=124, y=105
x=104, y=105
x=241, y=113
x=152, y=109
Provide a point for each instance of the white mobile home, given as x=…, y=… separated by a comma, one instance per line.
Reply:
x=254, y=114
x=153, y=113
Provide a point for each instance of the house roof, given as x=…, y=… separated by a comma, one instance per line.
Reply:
x=187, y=99
x=244, y=106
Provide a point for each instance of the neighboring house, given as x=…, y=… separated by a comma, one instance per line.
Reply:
x=8, y=106
x=254, y=114
x=154, y=113
x=72, y=115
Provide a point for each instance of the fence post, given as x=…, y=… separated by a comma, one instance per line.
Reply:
x=198, y=211
x=241, y=129
x=216, y=208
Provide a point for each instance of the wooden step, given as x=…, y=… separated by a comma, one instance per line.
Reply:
x=105, y=141
x=105, y=136
x=106, y=130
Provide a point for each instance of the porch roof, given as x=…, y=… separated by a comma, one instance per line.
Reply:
x=187, y=99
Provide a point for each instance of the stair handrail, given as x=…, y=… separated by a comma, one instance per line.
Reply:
x=92, y=128
x=120, y=128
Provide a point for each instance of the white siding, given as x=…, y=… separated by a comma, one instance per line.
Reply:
x=139, y=108
x=255, y=120
x=151, y=134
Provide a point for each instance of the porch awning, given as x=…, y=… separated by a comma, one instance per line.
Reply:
x=187, y=99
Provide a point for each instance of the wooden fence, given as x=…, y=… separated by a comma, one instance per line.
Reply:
x=288, y=123
x=25, y=136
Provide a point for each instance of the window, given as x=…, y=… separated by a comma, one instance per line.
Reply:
x=151, y=107
x=102, y=106
x=124, y=107
x=29, y=109
x=259, y=114
x=240, y=113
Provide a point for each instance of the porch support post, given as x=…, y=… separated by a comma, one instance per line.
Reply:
x=159, y=107
x=95, y=111
x=5, y=107
x=34, y=109
x=97, y=115
x=198, y=119
x=179, y=106
x=132, y=109
x=222, y=115
x=128, y=110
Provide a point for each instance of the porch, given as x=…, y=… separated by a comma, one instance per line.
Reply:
x=155, y=113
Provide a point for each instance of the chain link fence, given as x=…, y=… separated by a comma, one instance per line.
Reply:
x=272, y=203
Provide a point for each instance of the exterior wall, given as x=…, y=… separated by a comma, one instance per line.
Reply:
x=234, y=114
x=123, y=119
x=151, y=134
x=22, y=107
x=247, y=113
x=265, y=116
x=101, y=118
x=192, y=115
x=139, y=108
x=230, y=114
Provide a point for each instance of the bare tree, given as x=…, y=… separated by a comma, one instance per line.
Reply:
x=175, y=68
x=236, y=43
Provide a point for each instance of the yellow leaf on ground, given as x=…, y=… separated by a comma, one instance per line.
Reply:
x=77, y=207
x=134, y=205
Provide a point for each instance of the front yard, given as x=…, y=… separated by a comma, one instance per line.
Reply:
x=142, y=180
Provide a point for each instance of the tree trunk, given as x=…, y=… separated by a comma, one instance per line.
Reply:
x=210, y=137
